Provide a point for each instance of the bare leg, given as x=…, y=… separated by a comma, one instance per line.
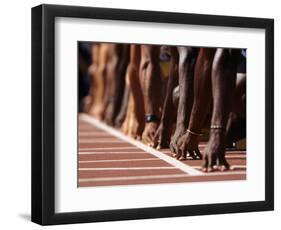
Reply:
x=92, y=73
x=97, y=107
x=117, y=65
x=134, y=121
x=236, y=124
x=151, y=85
x=122, y=113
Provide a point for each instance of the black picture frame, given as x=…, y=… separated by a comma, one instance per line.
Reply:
x=43, y=113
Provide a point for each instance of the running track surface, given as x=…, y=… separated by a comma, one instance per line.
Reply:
x=107, y=157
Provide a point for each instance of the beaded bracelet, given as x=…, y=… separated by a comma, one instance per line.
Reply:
x=216, y=127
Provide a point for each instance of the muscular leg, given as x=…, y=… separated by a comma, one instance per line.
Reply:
x=176, y=97
x=134, y=121
x=162, y=136
x=97, y=107
x=151, y=85
x=188, y=142
x=223, y=86
x=93, y=74
x=117, y=65
x=236, y=125
x=122, y=113
x=187, y=58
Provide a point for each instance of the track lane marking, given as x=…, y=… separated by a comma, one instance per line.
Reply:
x=127, y=168
x=99, y=141
x=232, y=166
x=155, y=177
x=104, y=153
x=108, y=148
x=183, y=167
x=122, y=160
x=94, y=133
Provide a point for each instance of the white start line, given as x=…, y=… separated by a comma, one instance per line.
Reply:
x=183, y=167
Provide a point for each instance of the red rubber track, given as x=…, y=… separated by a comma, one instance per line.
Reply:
x=105, y=160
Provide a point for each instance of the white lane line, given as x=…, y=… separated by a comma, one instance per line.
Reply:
x=127, y=168
x=100, y=179
x=232, y=166
x=114, y=132
x=235, y=157
x=235, y=152
x=99, y=141
x=132, y=178
x=105, y=153
x=93, y=133
x=122, y=160
x=107, y=148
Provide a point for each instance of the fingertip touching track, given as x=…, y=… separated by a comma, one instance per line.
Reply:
x=108, y=157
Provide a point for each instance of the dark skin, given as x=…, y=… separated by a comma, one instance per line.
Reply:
x=151, y=86
x=187, y=57
x=123, y=109
x=181, y=73
x=223, y=87
x=236, y=124
x=134, y=121
x=219, y=67
x=187, y=143
x=162, y=136
x=116, y=66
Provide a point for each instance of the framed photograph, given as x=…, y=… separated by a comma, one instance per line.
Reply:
x=143, y=114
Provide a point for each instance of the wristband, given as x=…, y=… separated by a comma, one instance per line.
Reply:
x=151, y=118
